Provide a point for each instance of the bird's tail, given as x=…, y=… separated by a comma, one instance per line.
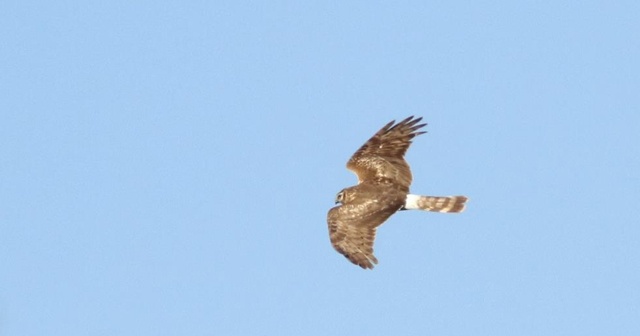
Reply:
x=435, y=203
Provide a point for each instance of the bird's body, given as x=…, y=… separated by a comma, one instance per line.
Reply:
x=384, y=178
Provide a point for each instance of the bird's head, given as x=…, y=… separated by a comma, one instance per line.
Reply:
x=340, y=197
x=345, y=195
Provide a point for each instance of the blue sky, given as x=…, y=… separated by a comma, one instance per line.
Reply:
x=166, y=167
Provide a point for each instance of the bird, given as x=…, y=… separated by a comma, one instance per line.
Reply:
x=384, y=178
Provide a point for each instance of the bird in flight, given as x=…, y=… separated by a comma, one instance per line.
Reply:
x=384, y=178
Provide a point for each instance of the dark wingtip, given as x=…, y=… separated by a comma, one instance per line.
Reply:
x=413, y=126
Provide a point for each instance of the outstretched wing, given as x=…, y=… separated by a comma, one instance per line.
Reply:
x=382, y=157
x=352, y=227
x=354, y=242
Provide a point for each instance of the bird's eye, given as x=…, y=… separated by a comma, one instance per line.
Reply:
x=340, y=197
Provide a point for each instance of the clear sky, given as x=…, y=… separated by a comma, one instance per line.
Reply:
x=166, y=167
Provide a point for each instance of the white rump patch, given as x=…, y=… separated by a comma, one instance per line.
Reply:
x=412, y=202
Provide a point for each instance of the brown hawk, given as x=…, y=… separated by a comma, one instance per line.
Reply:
x=383, y=188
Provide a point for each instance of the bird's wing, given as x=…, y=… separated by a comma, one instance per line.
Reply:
x=352, y=227
x=381, y=158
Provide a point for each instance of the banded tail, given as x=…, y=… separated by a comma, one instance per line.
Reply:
x=435, y=203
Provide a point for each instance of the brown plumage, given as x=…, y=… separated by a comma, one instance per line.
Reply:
x=384, y=178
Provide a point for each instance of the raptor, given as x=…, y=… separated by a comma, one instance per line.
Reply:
x=384, y=178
